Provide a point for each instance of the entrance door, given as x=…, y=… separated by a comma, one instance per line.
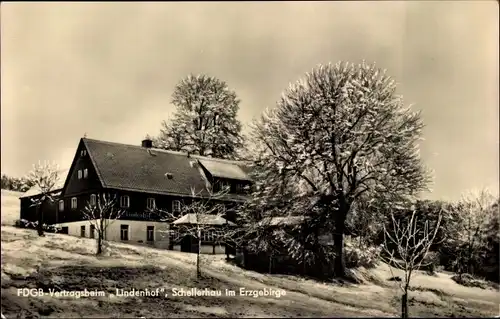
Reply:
x=186, y=244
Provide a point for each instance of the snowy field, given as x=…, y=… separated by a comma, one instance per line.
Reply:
x=10, y=207
x=67, y=263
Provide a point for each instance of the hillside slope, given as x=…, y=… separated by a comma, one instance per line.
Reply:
x=68, y=263
x=10, y=207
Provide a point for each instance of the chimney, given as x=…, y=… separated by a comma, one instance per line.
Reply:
x=147, y=142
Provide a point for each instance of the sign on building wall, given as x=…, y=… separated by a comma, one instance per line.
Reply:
x=146, y=216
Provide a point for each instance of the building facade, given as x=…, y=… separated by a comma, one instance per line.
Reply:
x=147, y=184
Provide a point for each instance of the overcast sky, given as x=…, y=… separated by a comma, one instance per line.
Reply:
x=108, y=70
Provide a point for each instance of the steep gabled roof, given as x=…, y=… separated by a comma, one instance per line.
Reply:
x=35, y=190
x=135, y=168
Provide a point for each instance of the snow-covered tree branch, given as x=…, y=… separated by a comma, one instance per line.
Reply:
x=204, y=122
x=202, y=219
x=405, y=247
x=470, y=229
x=101, y=212
x=338, y=134
x=45, y=177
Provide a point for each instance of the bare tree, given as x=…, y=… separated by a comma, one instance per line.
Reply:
x=406, y=246
x=101, y=213
x=44, y=177
x=203, y=217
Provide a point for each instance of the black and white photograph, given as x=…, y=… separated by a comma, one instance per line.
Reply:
x=276, y=159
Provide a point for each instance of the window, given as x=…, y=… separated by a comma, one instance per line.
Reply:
x=85, y=173
x=83, y=153
x=123, y=232
x=61, y=205
x=125, y=201
x=79, y=174
x=92, y=231
x=176, y=206
x=82, y=231
x=224, y=186
x=150, y=233
x=239, y=188
x=74, y=203
x=207, y=236
x=150, y=203
x=218, y=234
x=92, y=199
x=174, y=234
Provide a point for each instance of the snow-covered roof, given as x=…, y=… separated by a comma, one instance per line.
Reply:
x=281, y=220
x=205, y=219
x=135, y=168
x=224, y=169
x=35, y=190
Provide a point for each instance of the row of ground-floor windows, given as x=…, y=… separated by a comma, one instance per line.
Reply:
x=213, y=235
x=124, y=232
x=210, y=235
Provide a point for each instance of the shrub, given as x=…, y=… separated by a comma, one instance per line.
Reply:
x=23, y=223
x=359, y=256
x=469, y=281
x=431, y=262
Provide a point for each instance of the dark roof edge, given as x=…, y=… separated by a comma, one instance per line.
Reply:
x=169, y=193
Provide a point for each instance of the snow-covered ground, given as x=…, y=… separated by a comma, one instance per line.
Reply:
x=68, y=263
x=10, y=207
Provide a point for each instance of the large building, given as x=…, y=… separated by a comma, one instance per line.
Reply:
x=142, y=178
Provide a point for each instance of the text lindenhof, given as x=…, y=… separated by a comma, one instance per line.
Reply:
x=197, y=292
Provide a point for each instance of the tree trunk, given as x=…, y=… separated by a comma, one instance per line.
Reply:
x=198, y=270
x=469, y=258
x=404, y=305
x=99, y=242
x=270, y=263
x=100, y=236
x=304, y=249
x=226, y=241
x=303, y=262
x=338, y=241
x=40, y=219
